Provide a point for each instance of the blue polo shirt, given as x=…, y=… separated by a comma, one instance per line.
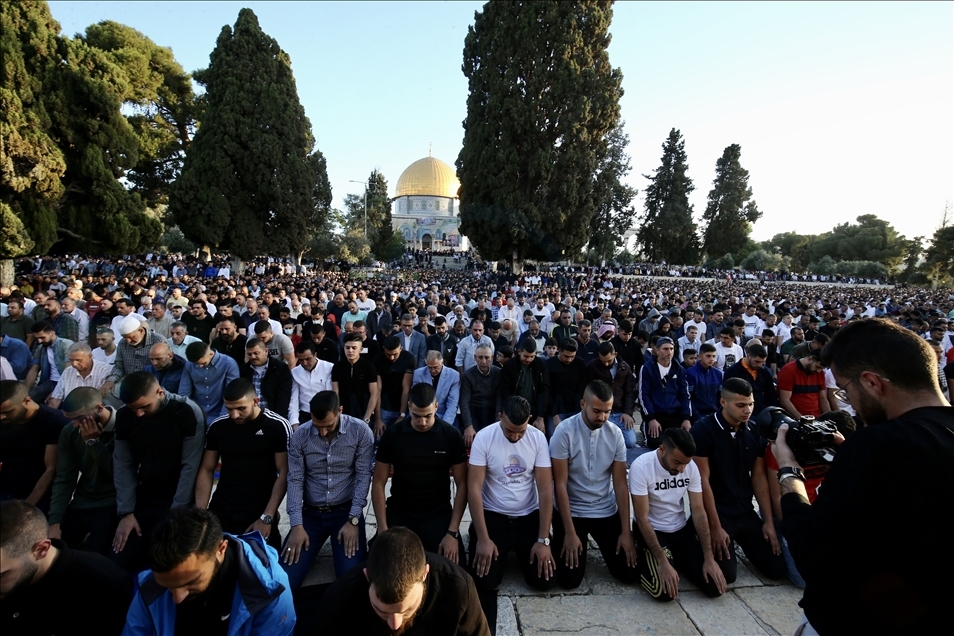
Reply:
x=731, y=459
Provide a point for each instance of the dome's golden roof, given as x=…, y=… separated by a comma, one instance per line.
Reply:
x=429, y=177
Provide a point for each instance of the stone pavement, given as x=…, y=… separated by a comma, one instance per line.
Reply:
x=602, y=605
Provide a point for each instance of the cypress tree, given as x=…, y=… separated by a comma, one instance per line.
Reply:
x=666, y=231
x=543, y=101
x=730, y=211
x=248, y=184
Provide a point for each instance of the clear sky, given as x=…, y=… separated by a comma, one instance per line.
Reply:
x=841, y=109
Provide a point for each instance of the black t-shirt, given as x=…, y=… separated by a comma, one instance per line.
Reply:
x=327, y=349
x=200, y=329
x=248, y=469
x=82, y=593
x=392, y=378
x=420, y=486
x=731, y=459
x=155, y=442
x=353, y=385
x=21, y=452
x=204, y=613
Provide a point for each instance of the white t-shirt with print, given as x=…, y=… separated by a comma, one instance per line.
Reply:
x=647, y=477
x=509, y=485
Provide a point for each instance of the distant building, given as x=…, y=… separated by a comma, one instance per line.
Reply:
x=425, y=207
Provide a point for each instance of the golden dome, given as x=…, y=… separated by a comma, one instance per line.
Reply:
x=428, y=177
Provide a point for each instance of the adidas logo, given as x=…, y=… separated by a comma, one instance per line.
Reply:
x=259, y=432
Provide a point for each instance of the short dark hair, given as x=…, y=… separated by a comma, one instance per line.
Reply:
x=885, y=348
x=81, y=398
x=600, y=390
x=196, y=350
x=757, y=351
x=625, y=325
x=262, y=326
x=736, y=386
x=422, y=394
x=238, y=389
x=392, y=343
x=727, y=331
x=528, y=345
x=678, y=438
x=569, y=344
x=707, y=347
x=22, y=526
x=252, y=343
x=440, y=320
x=222, y=319
x=12, y=389
x=305, y=346
x=323, y=403
x=821, y=338
x=606, y=347
x=181, y=533
x=396, y=563
x=517, y=410
x=136, y=386
x=353, y=337
x=41, y=326
x=316, y=328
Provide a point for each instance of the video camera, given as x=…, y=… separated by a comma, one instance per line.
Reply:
x=811, y=440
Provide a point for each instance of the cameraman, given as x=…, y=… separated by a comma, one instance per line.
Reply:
x=875, y=548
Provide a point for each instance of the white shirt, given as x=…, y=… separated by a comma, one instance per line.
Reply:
x=509, y=485
x=100, y=356
x=841, y=398
x=83, y=319
x=727, y=356
x=304, y=386
x=647, y=477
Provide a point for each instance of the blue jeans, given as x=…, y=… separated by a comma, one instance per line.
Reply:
x=548, y=423
x=629, y=434
x=320, y=526
x=389, y=418
x=793, y=574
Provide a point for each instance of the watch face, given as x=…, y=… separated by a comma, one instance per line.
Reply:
x=354, y=521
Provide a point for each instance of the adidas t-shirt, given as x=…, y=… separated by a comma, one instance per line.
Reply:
x=509, y=485
x=667, y=513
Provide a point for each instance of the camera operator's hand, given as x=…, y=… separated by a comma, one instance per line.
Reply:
x=783, y=454
x=768, y=533
x=721, y=543
x=837, y=439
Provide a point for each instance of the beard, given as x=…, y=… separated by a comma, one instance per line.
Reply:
x=869, y=410
x=205, y=594
x=408, y=622
x=29, y=571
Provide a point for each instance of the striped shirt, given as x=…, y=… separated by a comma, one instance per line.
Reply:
x=329, y=471
x=71, y=379
x=130, y=359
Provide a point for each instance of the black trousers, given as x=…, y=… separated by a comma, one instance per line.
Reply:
x=133, y=557
x=431, y=530
x=665, y=421
x=238, y=523
x=92, y=529
x=605, y=531
x=684, y=553
x=517, y=534
x=747, y=532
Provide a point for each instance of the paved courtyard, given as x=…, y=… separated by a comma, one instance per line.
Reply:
x=601, y=605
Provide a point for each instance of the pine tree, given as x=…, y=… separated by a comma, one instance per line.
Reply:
x=248, y=184
x=730, y=210
x=543, y=101
x=667, y=232
x=614, y=214
x=380, y=228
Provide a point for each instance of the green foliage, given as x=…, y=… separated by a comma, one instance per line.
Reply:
x=175, y=242
x=31, y=163
x=938, y=264
x=730, y=210
x=248, y=183
x=614, y=215
x=825, y=266
x=792, y=245
x=380, y=229
x=762, y=261
x=870, y=238
x=543, y=101
x=667, y=232
x=159, y=94
x=726, y=261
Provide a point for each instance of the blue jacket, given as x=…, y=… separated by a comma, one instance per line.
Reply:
x=669, y=399
x=704, y=386
x=448, y=390
x=262, y=605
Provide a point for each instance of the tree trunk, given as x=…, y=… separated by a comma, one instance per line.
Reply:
x=6, y=272
x=238, y=266
x=517, y=267
x=205, y=254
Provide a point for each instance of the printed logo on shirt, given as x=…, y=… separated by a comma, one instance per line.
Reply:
x=666, y=484
x=514, y=466
x=259, y=432
x=729, y=360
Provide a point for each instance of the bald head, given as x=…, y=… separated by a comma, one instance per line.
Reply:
x=161, y=356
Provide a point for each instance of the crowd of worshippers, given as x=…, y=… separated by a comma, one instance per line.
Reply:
x=152, y=428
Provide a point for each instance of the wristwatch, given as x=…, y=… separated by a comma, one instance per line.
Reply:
x=267, y=519
x=92, y=442
x=790, y=471
x=456, y=535
x=543, y=540
x=354, y=520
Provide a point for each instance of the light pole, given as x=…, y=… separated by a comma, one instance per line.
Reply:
x=365, y=204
